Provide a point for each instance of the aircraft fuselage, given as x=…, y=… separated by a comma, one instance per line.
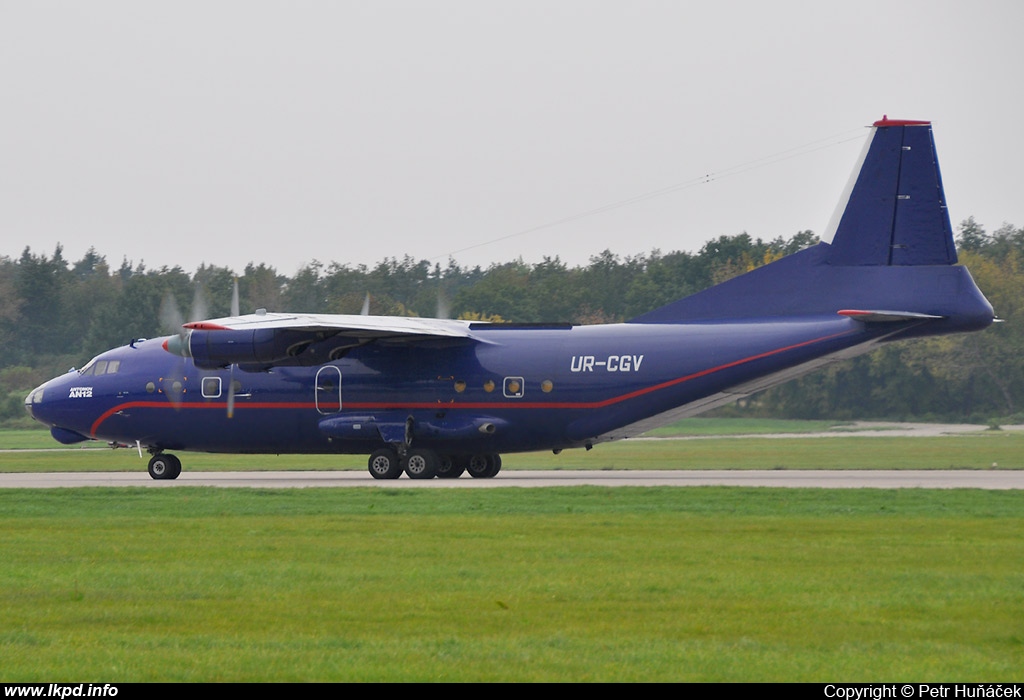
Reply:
x=513, y=390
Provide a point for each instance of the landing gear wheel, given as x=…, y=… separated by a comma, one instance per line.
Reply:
x=495, y=465
x=164, y=466
x=484, y=466
x=421, y=464
x=384, y=464
x=176, y=467
x=449, y=468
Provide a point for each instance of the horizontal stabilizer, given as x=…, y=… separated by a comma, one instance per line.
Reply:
x=886, y=316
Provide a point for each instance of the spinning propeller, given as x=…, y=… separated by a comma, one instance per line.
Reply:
x=173, y=323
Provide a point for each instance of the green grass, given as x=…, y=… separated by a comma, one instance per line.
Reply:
x=575, y=584
x=745, y=426
x=971, y=451
x=36, y=439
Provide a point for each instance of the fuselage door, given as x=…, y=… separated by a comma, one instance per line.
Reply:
x=328, y=389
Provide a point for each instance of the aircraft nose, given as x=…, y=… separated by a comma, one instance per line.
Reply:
x=32, y=401
x=42, y=402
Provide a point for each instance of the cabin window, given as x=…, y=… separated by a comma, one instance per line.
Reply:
x=211, y=387
x=513, y=387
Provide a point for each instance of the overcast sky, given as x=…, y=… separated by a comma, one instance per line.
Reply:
x=178, y=133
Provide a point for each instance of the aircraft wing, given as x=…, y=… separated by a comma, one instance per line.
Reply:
x=369, y=327
x=272, y=339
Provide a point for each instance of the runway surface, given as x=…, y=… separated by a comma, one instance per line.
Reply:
x=946, y=479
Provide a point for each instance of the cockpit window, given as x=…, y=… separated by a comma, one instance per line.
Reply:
x=98, y=367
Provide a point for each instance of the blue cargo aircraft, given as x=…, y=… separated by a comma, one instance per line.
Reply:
x=433, y=397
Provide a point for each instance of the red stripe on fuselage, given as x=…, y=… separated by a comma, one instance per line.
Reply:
x=361, y=405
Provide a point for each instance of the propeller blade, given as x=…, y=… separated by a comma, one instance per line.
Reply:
x=171, y=320
x=199, y=311
x=231, y=393
x=234, y=300
x=444, y=307
x=173, y=385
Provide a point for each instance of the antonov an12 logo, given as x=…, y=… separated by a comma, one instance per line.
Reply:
x=612, y=363
x=80, y=392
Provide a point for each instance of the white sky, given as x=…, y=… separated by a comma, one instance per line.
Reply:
x=281, y=132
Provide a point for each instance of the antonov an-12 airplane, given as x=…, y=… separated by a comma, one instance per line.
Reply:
x=433, y=397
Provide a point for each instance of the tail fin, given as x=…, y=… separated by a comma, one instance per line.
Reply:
x=888, y=253
x=893, y=211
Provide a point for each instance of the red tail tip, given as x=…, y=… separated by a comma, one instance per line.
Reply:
x=885, y=121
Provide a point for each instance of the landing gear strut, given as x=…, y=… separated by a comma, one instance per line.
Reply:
x=164, y=465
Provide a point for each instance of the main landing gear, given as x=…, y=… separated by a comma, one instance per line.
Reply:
x=164, y=465
x=386, y=463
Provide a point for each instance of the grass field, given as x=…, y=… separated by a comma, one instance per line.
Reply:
x=580, y=584
x=555, y=584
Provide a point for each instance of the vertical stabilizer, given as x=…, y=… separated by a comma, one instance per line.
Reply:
x=894, y=211
x=887, y=257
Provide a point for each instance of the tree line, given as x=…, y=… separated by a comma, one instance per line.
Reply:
x=57, y=314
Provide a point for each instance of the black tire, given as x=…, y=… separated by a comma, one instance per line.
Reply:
x=175, y=466
x=384, y=464
x=449, y=468
x=421, y=464
x=483, y=466
x=495, y=465
x=161, y=466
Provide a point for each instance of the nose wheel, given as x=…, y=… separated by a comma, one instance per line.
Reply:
x=164, y=466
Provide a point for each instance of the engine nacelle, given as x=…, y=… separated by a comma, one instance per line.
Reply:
x=214, y=349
